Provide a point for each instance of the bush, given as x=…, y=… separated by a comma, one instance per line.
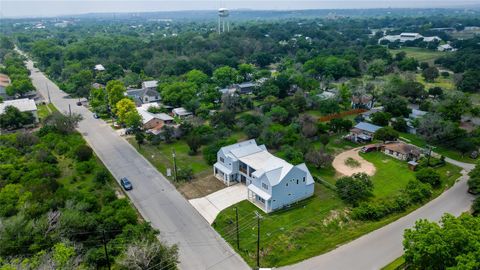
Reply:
x=210, y=151
x=428, y=175
x=355, y=188
x=85, y=167
x=101, y=177
x=185, y=174
x=380, y=209
x=83, y=153
x=418, y=191
x=476, y=207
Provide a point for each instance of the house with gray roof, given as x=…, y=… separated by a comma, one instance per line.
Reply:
x=23, y=105
x=272, y=183
x=147, y=94
x=362, y=132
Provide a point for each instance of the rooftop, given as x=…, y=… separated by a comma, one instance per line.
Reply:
x=367, y=127
x=24, y=105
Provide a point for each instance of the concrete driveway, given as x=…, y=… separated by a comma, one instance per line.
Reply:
x=210, y=205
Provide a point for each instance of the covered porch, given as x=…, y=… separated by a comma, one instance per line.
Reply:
x=224, y=174
x=260, y=198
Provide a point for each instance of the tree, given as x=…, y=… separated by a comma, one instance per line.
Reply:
x=339, y=125
x=376, y=68
x=400, y=124
x=167, y=133
x=432, y=127
x=139, y=137
x=396, y=106
x=127, y=113
x=292, y=155
x=194, y=142
x=324, y=139
x=246, y=70
x=428, y=175
x=430, y=74
x=355, y=188
x=454, y=106
x=177, y=93
x=210, y=151
x=20, y=87
x=278, y=114
x=386, y=134
x=381, y=118
x=115, y=93
x=474, y=180
x=225, y=75
x=252, y=131
x=308, y=125
x=451, y=244
x=13, y=118
x=319, y=158
x=436, y=92
x=470, y=81
x=197, y=77
x=149, y=254
x=62, y=123
x=83, y=153
x=408, y=64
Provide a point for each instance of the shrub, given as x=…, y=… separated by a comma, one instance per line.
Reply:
x=352, y=163
x=185, y=174
x=418, y=191
x=83, y=153
x=101, y=176
x=476, y=207
x=85, y=167
x=355, y=188
x=428, y=175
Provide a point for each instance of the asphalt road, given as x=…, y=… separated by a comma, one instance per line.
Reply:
x=156, y=199
x=380, y=247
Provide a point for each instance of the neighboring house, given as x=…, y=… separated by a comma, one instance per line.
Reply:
x=367, y=116
x=416, y=114
x=154, y=122
x=404, y=37
x=328, y=94
x=98, y=85
x=272, y=183
x=362, y=102
x=402, y=151
x=446, y=48
x=362, y=132
x=4, y=82
x=147, y=94
x=23, y=105
x=412, y=117
x=181, y=112
x=99, y=67
x=243, y=88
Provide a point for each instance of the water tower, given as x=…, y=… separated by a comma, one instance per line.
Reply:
x=223, y=20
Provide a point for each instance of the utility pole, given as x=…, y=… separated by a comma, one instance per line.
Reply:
x=236, y=221
x=105, y=247
x=174, y=165
x=258, y=238
x=70, y=109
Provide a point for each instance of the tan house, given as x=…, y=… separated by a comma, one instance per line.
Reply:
x=402, y=151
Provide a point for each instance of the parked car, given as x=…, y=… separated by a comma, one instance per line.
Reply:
x=79, y=103
x=95, y=116
x=126, y=184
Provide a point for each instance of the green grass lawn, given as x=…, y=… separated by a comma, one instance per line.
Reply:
x=161, y=156
x=44, y=110
x=442, y=82
x=395, y=265
x=421, y=54
x=317, y=224
x=441, y=150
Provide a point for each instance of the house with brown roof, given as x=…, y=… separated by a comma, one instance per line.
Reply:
x=402, y=151
x=4, y=82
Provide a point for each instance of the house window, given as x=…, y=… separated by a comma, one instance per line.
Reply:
x=222, y=160
x=264, y=186
x=304, y=179
x=286, y=184
x=297, y=181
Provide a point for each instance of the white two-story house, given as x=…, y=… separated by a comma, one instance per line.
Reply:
x=272, y=183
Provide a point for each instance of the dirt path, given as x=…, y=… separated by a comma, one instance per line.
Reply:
x=340, y=166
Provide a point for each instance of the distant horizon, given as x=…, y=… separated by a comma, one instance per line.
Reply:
x=12, y=9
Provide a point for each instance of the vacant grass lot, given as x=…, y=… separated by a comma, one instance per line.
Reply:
x=317, y=224
x=442, y=82
x=421, y=54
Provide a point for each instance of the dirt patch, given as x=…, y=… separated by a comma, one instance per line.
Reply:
x=201, y=186
x=339, y=163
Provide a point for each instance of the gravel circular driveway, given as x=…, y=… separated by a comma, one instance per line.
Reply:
x=340, y=166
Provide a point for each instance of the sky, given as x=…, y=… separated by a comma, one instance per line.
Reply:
x=46, y=8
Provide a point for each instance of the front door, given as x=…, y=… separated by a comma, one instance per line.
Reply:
x=243, y=179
